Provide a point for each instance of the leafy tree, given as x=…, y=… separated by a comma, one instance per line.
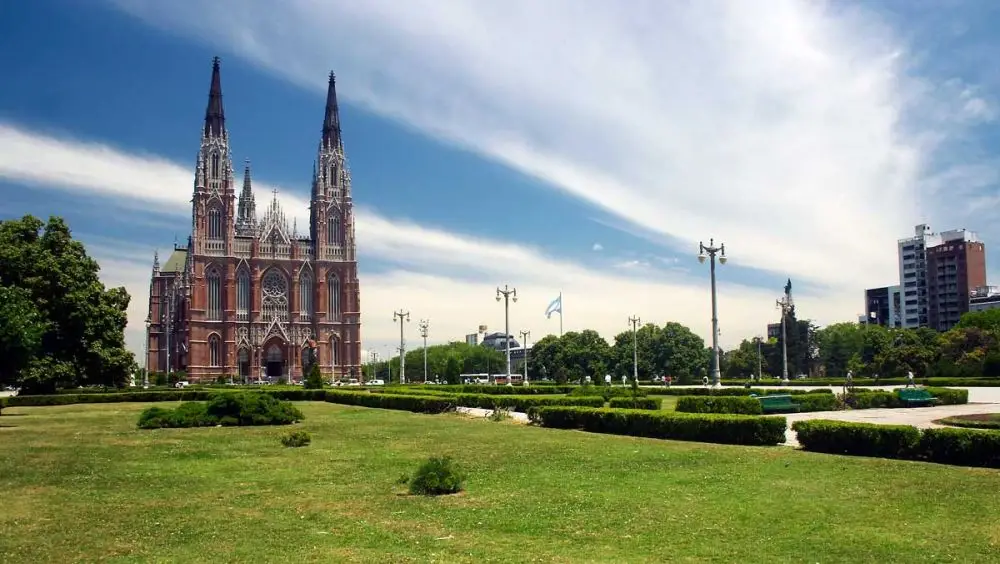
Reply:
x=988, y=320
x=741, y=362
x=472, y=359
x=22, y=327
x=314, y=380
x=83, y=341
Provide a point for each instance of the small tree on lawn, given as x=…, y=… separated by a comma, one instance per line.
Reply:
x=314, y=381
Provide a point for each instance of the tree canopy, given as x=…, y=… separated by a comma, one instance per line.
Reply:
x=59, y=325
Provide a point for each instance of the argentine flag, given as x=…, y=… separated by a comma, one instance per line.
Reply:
x=554, y=307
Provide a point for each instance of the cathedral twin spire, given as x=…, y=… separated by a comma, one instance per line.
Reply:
x=215, y=136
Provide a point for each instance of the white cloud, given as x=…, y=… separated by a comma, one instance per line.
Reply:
x=780, y=127
x=597, y=247
x=454, y=306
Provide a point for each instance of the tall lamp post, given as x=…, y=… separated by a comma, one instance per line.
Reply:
x=634, y=321
x=760, y=364
x=145, y=350
x=374, y=365
x=525, y=335
x=785, y=305
x=710, y=252
x=424, y=324
x=401, y=316
x=507, y=294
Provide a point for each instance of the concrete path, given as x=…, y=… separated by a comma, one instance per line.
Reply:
x=920, y=417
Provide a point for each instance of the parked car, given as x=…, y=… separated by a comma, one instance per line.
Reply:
x=182, y=384
x=376, y=382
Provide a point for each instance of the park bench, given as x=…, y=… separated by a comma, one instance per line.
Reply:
x=916, y=397
x=778, y=404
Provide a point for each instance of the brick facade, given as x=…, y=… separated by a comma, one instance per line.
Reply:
x=245, y=293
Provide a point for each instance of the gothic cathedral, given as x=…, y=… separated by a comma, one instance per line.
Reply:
x=247, y=294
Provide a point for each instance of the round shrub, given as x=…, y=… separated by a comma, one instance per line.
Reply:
x=439, y=475
x=296, y=439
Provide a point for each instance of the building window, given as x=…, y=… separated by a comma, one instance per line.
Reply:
x=334, y=297
x=334, y=353
x=305, y=294
x=333, y=231
x=214, y=351
x=214, y=309
x=243, y=292
x=274, y=296
x=215, y=165
x=215, y=223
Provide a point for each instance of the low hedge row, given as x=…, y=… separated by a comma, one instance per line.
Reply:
x=724, y=429
x=636, y=403
x=402, y=402
x=718, y=404
x=869, y=399
x=523, y=403
x=964, y=447
x=607, y=392
x=732, y=391
x=495, y=390
x=963, y=382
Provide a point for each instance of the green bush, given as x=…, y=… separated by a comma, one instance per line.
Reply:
x=733, y=391
x=607, y=392
x=636, y=403
x=314, y=380
x=949, y=396
x=522, y=403
x=224, y=409
x=416, y=404
x=437, y=476
x=718, y=404
x=532, y=389
x=965, y=447
x=706, y=428
x=862, y=439
x=816, y=402
x=296, y=439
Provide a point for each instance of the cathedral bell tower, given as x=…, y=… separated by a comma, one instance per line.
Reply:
x=330, y=225
x=214, y=200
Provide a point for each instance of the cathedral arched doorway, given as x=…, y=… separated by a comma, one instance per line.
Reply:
x=274, y=360
x=243, y=360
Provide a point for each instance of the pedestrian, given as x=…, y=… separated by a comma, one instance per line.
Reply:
x=670, y=380
x=704, y=381
x=909, y=379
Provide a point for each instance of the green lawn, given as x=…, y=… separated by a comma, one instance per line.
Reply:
x=81, y=483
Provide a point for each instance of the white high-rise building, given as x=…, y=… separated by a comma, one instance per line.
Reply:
x=913, y=270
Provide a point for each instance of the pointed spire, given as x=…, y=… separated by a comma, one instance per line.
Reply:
x=156, y=260
x=215, y=117
x=331, y=122
x=246, y=214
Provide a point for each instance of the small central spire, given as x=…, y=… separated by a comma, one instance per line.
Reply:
x=215, y=116
x=331, y=122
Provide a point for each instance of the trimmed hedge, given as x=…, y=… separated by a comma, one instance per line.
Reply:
x=724, y=429
x=870, y=399
x=298, y=394
x=494, y=390
x=719, y=404
x=607, y=392
x=416, y=404
x=936, y=381
x=816, y=402
x=523, y=403
x=732, y=391
x=963, y=447
x=636, y=403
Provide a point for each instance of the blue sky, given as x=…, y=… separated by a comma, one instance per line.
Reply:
x=555, y=146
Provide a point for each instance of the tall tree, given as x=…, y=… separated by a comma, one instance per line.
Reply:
x=83, y=342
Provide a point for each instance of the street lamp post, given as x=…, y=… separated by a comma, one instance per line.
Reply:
x=525, y=335
x=424, y=324
x=374, y=356
x=710, y=253
x=634, y=321
x=785, y=305
x=401, y=316
x=507, y=294
x=145, y=351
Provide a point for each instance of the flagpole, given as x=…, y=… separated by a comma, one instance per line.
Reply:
x=560, y=313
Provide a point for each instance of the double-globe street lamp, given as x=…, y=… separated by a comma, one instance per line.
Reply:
x=525, y=335
x=634, y=321
x=710, y=252
x=401, y=316
x=508, y=294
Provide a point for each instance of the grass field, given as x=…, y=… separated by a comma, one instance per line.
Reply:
x=81, y=483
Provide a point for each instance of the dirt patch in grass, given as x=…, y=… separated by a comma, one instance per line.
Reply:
x=972, y=421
